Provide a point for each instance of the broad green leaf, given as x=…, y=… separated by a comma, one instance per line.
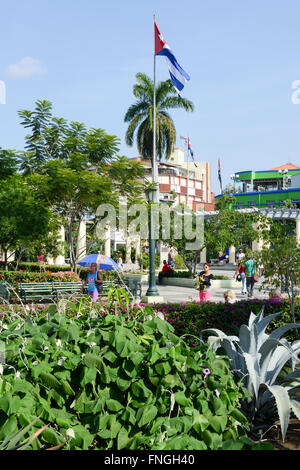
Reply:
x=148, y=414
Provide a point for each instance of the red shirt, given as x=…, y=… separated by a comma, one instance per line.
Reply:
x=165, y=268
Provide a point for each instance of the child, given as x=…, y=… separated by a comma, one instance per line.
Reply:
x=230, y=297
x=203, y=283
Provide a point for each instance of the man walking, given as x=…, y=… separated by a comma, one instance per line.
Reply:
x=250, y=271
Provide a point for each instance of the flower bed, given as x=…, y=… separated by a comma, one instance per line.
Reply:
x=190, y=317
x=14, y=277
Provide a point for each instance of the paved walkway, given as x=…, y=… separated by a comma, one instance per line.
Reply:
x=186, y=294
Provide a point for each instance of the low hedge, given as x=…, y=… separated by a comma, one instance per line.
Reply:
x=36, y=267
x=14, y=277
x=187, y=274
x=192, y=317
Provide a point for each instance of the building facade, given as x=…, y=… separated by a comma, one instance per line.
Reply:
x=181, y=181
x=268, y=188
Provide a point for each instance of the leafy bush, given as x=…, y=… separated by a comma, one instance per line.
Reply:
x=36, y=267
x=187, y=274
x=258, y=360
x=14, y=277
x=115, y=382
x=146, y=260
x=179, y=263
x=192, y=317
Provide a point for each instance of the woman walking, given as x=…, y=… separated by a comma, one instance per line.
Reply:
x=94, y=282
x=241, y=272
x=120, y=262
x=203, y=283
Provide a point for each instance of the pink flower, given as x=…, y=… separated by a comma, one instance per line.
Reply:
x=206, y=371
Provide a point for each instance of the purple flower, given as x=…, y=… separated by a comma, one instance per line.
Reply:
x=206, y=371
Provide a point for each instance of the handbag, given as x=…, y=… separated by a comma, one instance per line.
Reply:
x=239, y=278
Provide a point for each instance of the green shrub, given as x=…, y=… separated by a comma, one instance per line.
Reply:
x=259, y=361
x=179, y=263
x=14, y=277
x=146, y=262
x=110, y=382
x=192, y=317
x=36, y=267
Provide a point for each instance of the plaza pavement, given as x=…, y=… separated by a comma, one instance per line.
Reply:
x=186, y=294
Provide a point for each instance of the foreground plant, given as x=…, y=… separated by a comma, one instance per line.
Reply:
x=116, y=382
x=258, y=360
x=16, y=441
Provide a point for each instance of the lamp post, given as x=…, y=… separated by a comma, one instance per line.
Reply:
x=152, y=288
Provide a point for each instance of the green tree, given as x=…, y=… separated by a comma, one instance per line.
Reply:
x=24, y=218
x=9, y=161
x=75, y=169
x=140, y=117
x=226, y=227
x=280, y=257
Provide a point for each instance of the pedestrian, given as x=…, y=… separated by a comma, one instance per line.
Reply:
x=171, y=259
x=203, y=283
x=41, y=261
x=251, y=274
x=164, y=272
x=276, y=296
x=241, y=276
x=120, y=262
x=230, y=297
x=240, y=255
x=94, y=282
x=260, y=269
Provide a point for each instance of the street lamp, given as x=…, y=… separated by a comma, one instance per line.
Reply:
x=152, y=288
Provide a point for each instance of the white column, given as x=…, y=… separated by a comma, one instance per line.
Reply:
x=232, y=254
x=107, y=244
x=81, y=241
x=137, y=248
x=60, y=259
x=49, y=260
x=128, y=250
x=257, y=245
x=203, y=256
x=298, y=230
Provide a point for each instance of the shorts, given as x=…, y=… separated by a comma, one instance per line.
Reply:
x=94, y=294
x=204, y=295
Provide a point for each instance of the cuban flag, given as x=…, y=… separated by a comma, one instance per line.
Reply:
x=219, y=176
x=178, y=76
x=188, y=141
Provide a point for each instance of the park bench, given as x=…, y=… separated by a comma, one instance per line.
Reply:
x=133, y=285
x=56, y=290
x=50, y=290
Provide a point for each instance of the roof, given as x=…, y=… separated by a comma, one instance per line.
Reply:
x=287, y=166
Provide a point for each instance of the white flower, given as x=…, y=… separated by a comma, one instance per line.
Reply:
x=58, y=343
x=17, y=375
x=70, y=433
x=61, y=361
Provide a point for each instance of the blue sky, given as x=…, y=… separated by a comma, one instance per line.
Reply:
x=83, y=56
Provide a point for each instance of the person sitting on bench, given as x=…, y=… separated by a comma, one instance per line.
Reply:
x=165, y=272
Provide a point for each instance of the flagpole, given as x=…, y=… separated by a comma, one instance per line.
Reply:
x=188, y=174
x=152, y=290
x=154, y=162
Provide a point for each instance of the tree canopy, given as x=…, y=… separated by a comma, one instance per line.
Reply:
x=140, y=117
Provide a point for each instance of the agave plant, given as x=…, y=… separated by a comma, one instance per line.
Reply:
x=16, y=441
x=259, y=360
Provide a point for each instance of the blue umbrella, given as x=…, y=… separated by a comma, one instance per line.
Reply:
x=102, y=261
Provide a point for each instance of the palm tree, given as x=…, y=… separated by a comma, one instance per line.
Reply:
x=140, y=117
